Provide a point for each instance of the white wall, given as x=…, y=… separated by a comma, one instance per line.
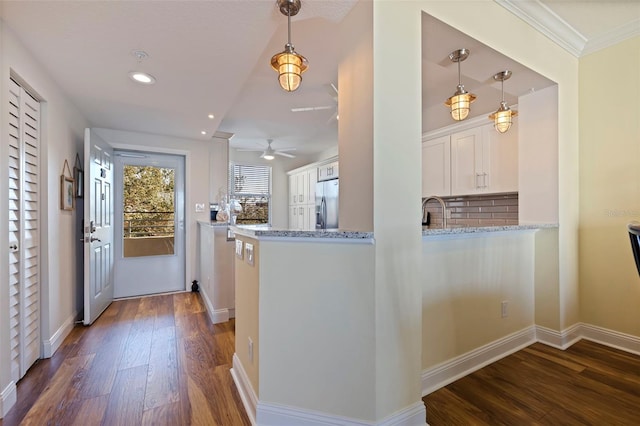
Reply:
x=461, y=307
x=538, y=156
x=61, y=138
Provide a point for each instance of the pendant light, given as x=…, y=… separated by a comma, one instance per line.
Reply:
x=288, y=64
x=461, y=100
x=502, y=118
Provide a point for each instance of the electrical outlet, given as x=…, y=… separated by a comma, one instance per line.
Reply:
x=504, y=308
x=250, y=350
x=199, y=207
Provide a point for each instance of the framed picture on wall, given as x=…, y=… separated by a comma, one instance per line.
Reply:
x=67, y=195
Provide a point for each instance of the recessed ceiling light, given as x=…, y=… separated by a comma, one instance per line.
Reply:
x=203, y=132
x=211, y=116
x=142, y=77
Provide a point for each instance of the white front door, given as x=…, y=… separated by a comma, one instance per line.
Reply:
x=149, y=212
x=98, y=226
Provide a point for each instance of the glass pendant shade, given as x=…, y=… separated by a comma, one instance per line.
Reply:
x=460, y=104
x=289, y=65
x=502, y=118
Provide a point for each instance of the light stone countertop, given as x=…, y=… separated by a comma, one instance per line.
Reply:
x=461, y=230
x=266, y=232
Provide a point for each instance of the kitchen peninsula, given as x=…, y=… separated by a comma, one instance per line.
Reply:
x=304, y=308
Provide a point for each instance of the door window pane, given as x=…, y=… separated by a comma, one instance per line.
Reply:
x=148, y=211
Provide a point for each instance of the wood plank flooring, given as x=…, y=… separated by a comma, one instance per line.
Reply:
x=159, y=361
x=588, y=384
x=149, y=361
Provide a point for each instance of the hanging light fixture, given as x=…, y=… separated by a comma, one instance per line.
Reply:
x=461, y=100
x=502, y=118
x=288, y=64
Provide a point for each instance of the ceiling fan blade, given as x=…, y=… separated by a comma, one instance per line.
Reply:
x=285, y=149
x=284, y=154
x=315, y=108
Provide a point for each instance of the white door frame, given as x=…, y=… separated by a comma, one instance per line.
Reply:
x=146, y=158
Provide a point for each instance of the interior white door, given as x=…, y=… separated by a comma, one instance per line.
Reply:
x=24, y=229
x=98, y=226
x=149, y=223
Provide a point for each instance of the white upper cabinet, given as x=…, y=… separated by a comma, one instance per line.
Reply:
x=470, y=162
x=436, y=167
x=476, y=160
x=328, y=171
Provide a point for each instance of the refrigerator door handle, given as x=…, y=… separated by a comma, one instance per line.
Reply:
x=323, y=214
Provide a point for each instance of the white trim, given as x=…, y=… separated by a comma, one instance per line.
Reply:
x=615, y=36
x=559, y=339
x=51, y=345
x=614, y=339
x=219, y=315
x=8, y=398
x=247, y=394
x=412, y=415
x=270, y=414
x=216, y=316
x=548, y=23
x=451, y=370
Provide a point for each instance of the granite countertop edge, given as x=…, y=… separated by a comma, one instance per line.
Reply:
x=256, y=232
x=426, y=231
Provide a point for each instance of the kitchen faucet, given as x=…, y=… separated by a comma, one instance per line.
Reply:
x=444, y=208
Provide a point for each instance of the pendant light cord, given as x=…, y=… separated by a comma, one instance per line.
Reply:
x=289, y=23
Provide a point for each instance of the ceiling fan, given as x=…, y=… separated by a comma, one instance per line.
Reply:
x=269, y=153
x=333, y=92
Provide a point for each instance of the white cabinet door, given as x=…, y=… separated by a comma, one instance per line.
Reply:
x=328, y=171
x=503, y=149
x=312, y=179
x=468, y=161
x=293, y=189
x=436, y=167
x=310, y=213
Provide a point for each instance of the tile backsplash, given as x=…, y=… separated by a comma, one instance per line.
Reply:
x=477, y=210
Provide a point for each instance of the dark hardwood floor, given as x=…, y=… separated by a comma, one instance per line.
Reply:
x=159, y=361
x=588, y=384
x=151, y=361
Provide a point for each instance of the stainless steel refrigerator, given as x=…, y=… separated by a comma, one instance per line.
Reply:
x=327, y=204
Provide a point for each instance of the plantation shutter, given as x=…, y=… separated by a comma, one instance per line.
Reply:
x=24, y=229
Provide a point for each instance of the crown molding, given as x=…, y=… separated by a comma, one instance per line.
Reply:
x=615, y=36
x=548, y=23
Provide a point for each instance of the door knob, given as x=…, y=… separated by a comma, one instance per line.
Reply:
x=92, y=239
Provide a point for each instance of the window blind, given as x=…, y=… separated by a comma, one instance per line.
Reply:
x=251, y=185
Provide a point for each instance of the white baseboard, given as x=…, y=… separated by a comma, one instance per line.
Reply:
x=269, y=414
x=8, y=398
x=614, y=339
x=51, y=345
x=443, y=374
x=219, y=316
x=247, y=394
x=216, y=316
x=449, y=371
x=559, y=339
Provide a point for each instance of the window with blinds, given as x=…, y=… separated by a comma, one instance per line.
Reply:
x=251, y=186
